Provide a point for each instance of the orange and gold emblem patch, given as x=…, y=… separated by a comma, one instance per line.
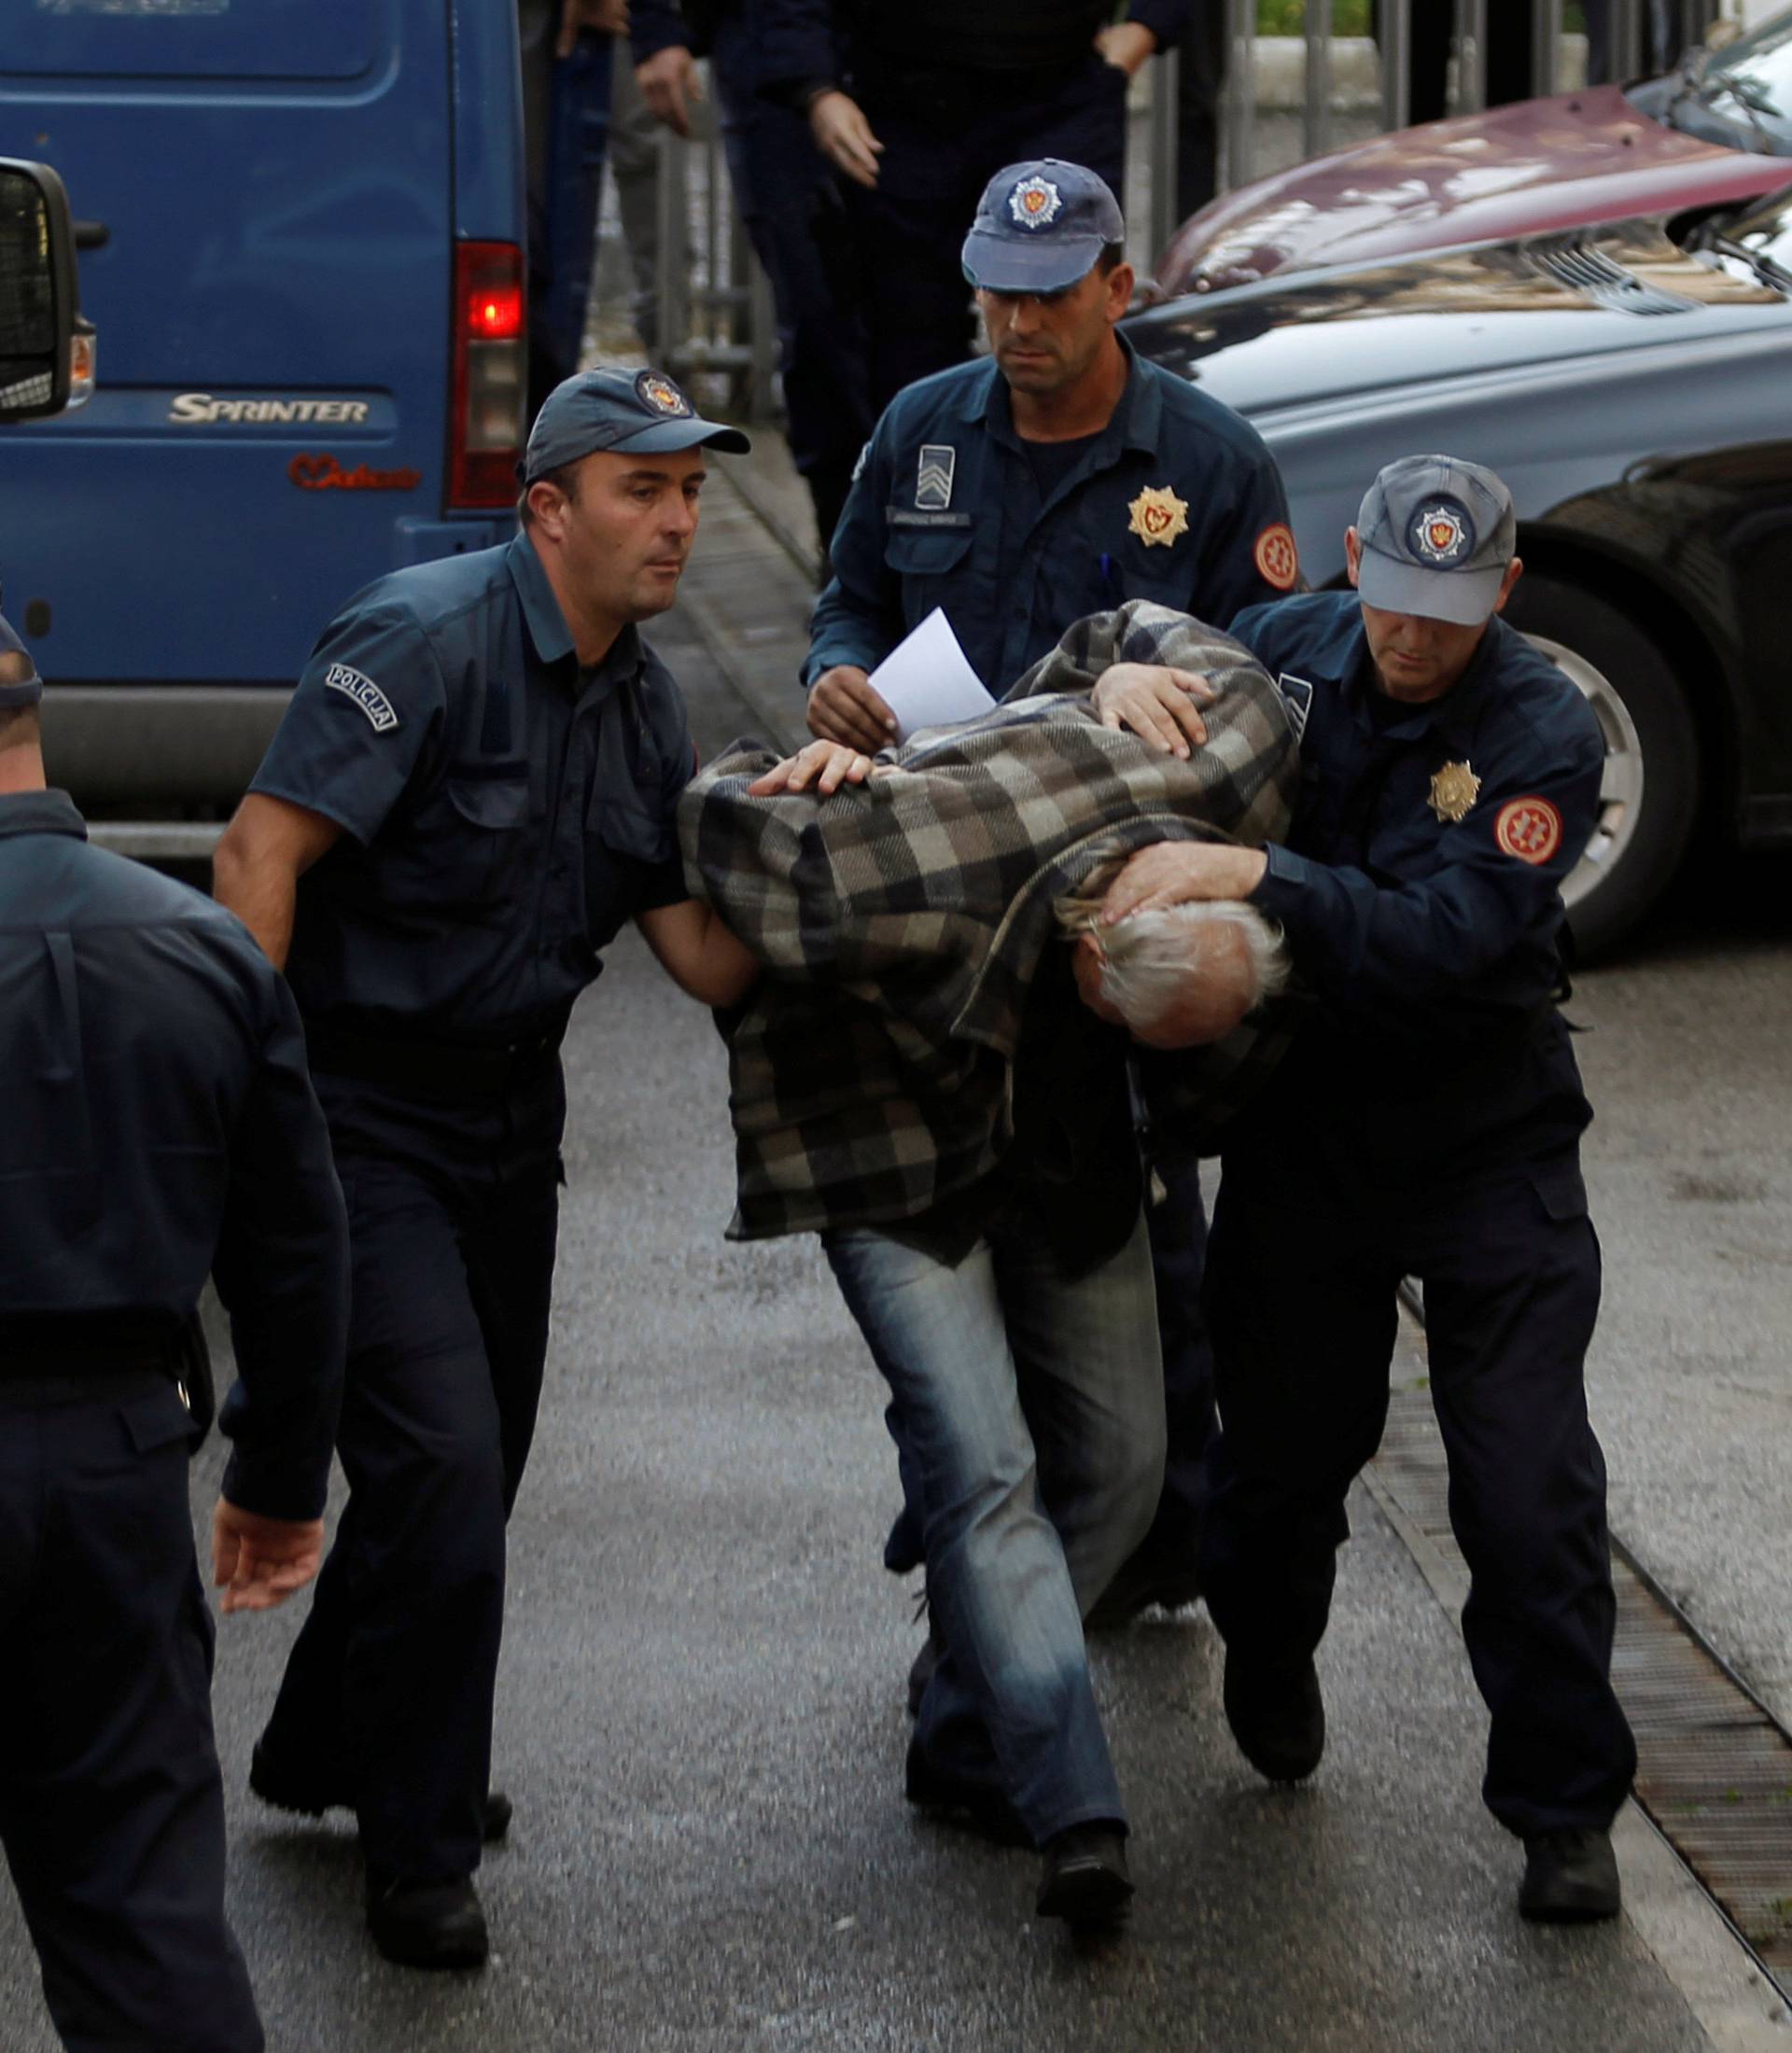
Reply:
x=1530, y=829
x=1277, y=559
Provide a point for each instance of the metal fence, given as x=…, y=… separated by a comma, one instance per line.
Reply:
x=715, y=309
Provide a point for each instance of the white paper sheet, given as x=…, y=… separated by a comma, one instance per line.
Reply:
x=927, y=681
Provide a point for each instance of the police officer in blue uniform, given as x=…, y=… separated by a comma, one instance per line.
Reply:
x=917, y=105
x=1057, y=478
x=793, y=214
x=473, y=789
x=1426, y=1123
x=159, y=1123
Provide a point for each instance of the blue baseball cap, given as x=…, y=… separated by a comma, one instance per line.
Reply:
x=1438, y=537
x=635, y=412
x=1040, y=228
x=28, y=689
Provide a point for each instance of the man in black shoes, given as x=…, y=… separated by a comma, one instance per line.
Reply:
x=1425, y=1121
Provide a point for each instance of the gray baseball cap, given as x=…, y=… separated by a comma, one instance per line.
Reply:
x=1438, y=537
x=1040, y=228
x=635, y=412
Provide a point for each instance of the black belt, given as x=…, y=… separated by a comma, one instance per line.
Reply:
x=87, y=1356
x=429, y=1069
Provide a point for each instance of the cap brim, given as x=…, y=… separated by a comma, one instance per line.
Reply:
x=661, y=437
x=1464, y=597
x=993, y=263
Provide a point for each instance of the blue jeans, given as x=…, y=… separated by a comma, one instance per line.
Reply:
x=1030, y=1404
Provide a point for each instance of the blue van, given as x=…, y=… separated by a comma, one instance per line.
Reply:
x=301, y=226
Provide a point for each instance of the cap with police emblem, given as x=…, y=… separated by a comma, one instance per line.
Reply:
x=1438, y=537
x=1040, y=228
x=632, y=412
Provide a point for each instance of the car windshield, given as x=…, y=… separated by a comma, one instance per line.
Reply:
x=1747, y=91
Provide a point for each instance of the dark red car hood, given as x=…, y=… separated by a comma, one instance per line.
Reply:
x=1570, y=161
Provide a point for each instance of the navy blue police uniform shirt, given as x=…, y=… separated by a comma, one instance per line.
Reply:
x=160, y=1124
x=1177, y=499
x=1420, y=890
x=505, y=810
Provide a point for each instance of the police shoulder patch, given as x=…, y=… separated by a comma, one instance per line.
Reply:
x=365, y=693
x=1277, y=559
x=1530, y=829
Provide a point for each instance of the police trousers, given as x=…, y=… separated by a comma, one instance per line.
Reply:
x=387, y=1701
x=1301, y=1277
x=111, y=1807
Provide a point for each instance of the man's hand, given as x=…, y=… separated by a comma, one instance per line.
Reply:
x=844, y=137
x=1127, y=45
x=1156, y=702
x=824, y=765
x=609, y=17
x=1176, y=872
x=670, y=87
x=844, y=707
x=259, y=1562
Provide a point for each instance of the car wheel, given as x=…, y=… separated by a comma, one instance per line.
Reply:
x=1649, y=796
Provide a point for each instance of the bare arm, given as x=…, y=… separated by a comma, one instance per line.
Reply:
x=267, y=848
x=698, y=953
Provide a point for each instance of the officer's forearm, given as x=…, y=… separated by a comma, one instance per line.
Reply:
x=698, y=953
x=261, y=893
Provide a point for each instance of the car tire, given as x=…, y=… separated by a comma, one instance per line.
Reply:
x=1649, y=794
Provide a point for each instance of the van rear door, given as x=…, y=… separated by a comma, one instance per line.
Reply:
x=266, y=190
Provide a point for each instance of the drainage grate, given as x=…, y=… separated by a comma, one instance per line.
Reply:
x=1714, y=1769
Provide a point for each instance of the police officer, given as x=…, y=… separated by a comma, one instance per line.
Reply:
x=1052, y=480
x=472, y=790
x=159, y=1123
x=1426, y=1123
x=792, y=211
x=917, y=105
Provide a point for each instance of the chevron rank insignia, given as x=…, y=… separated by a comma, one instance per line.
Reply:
x=933, y=477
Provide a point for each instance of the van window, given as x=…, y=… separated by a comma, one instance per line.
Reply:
x=190, y=38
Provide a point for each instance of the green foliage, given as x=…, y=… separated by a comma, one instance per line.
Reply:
x=1289, y=17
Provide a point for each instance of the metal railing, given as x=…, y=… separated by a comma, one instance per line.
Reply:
x=715, y=308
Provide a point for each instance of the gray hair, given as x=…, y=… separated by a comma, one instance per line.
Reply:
x=1150, y=959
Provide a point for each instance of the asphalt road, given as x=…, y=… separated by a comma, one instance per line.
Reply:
x=701, y=1719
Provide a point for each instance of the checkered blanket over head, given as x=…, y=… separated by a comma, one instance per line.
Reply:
x=901, y=921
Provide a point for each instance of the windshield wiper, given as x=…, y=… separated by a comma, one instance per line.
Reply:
x=1749, y=97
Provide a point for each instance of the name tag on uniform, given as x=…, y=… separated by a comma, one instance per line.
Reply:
x=902, y=516
x=1298, y=699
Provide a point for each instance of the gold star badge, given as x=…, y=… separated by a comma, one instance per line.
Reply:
x=1159, y=515
x=1453, y=790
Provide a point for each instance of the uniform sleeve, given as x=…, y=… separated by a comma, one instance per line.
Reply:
x=666, y=884
x=1249, y=556
x=282, y=1270
x=1384, y=952
x=797, y=45
x=654, y=25
x=368, y=700
x=1165, y=18
x=858, y=616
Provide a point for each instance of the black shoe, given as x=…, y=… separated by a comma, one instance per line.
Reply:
x=1276, y=1716
x=427, y=1924
x=1569, y=1877
x=1083, y=1878
x=930, y=1788
x=921, y=1672
x=1154, y=1574
x=277, y=1783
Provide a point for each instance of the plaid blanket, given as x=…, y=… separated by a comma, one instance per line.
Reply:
x=901, y=921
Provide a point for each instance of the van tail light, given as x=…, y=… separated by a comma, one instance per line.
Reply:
x=491, y=343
